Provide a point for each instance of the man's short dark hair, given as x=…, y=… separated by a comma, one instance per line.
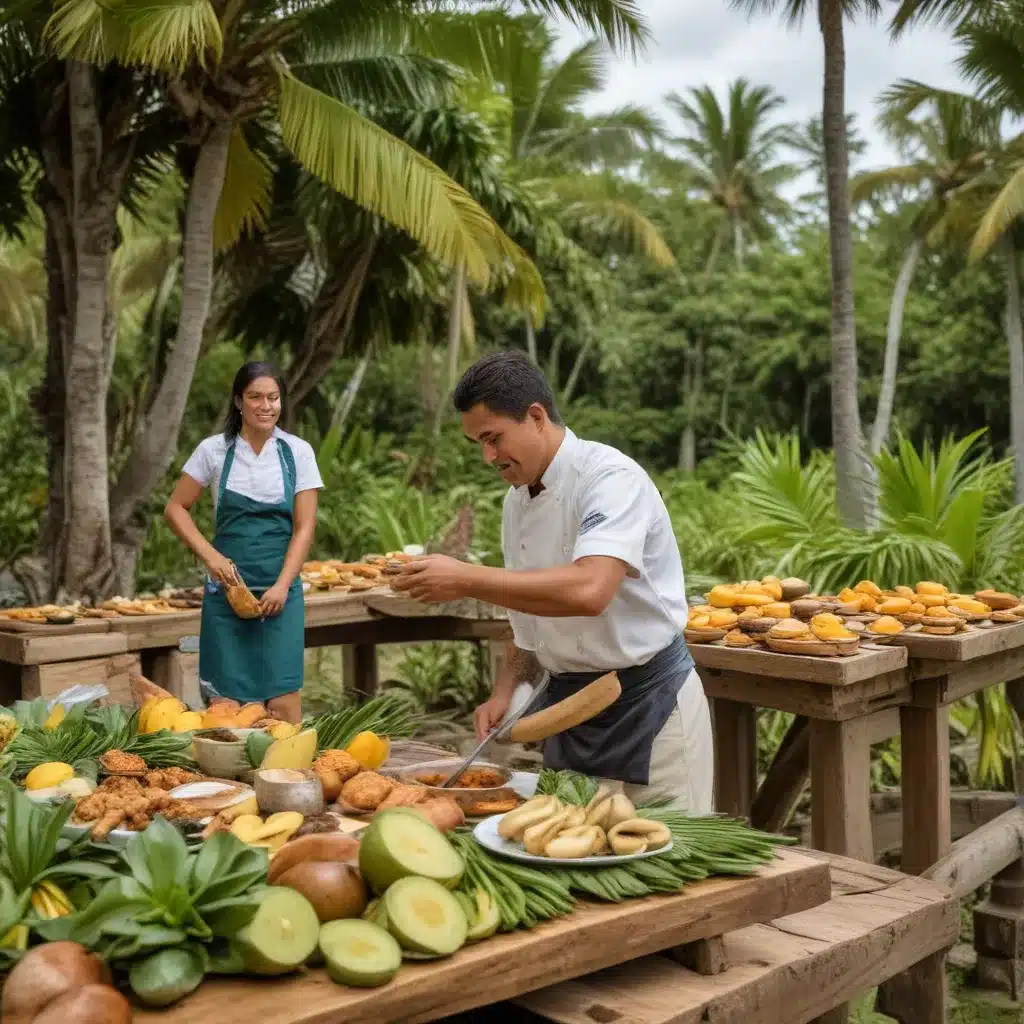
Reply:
x=508, y=383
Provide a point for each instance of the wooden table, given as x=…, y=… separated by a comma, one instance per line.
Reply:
x=795, y=969
x=39, y=660
x=591, y=938
x=850, y=703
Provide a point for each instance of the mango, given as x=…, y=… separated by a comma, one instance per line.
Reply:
x=187, y=721
x=45, y=776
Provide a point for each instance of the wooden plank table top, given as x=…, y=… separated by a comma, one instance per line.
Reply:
x=591, y=938
x=794, y=969
x=33, y=644
x=831, y=689
x=975, y=642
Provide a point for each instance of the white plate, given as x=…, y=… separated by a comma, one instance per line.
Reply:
x=486, y=834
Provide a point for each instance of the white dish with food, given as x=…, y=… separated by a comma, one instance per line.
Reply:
x=486, y=834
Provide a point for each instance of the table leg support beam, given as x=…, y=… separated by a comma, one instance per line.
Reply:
x=735, y=757
x=841, y=788
x=924, y=736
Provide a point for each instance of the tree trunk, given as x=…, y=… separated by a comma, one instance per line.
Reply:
x=348, y=396
x=456, y=317
x=577, y=367
x=156, y=440
x=330, y=323
x=852, y=478
x=716, y=248
x=883, y=415
x=693, y=384
x=531, y=339
x=88, y=569
x=1015, y=345
x=737, y=241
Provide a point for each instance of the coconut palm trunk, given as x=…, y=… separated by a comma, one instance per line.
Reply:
x=853, y=482
x=88, y=565
x=890, y=366
x=1015, y=345
x=531, y=339
x=156, y=439
x=456, y=317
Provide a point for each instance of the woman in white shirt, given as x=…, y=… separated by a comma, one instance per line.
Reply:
x=264, y=483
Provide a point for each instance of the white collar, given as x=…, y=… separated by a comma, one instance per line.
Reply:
x=555, y=473
x=277, y=434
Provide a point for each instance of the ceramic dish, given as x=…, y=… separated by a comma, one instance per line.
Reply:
x=486, y=834
x=465, y=796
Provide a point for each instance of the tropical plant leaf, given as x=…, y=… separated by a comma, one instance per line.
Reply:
x=245, y=199
x=386, y=176
x=168, y=35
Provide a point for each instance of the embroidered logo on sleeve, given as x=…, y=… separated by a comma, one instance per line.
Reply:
x=592, y=520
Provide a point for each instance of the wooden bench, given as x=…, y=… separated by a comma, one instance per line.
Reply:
x=796, y=969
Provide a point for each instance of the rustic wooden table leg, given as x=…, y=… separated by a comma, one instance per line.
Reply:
x=917, y=996
x=785, y=781
x=359, y=669
x=924, y=740
x=705, y=956
x=841, y=788
x=999, y=933
x=735, y=757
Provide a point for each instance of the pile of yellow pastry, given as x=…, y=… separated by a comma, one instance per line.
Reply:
x=782, y=615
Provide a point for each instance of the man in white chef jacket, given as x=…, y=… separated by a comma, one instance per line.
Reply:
x=593, y=582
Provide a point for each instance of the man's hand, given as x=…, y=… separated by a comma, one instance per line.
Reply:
x=273, y=600
x=433, y=578
x=489, y=714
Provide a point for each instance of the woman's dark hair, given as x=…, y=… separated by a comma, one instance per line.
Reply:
x=245, y=376
x=508, y=383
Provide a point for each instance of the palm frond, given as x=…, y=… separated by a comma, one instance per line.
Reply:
x=381, y=79
x=1004, y=209
x=85, y=30
x=388, y=177
x=621, y=22
x=245, y=199
x=874, y=183
x=942, y=12
x=168, y=35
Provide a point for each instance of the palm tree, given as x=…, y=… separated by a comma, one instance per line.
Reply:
x=809, y=142
x=943, y=153
x=732, y=155
x=853, y=471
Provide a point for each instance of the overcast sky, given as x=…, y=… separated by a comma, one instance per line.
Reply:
x=705, y=42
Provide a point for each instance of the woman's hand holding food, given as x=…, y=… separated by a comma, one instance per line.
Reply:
x=273, y=600
x=219, y=568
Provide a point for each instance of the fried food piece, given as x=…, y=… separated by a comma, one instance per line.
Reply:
x=366, y=790
x=182, y=809
x=171, y=778
x=110, y=820
x=404, y=796
x=499, y=805
x=346, y=766
x=119, y=761
x=118, y=784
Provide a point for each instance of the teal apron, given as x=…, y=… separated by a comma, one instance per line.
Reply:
x=253, y=659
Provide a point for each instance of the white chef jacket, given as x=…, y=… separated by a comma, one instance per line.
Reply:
x=597, y=501
x=255, y=476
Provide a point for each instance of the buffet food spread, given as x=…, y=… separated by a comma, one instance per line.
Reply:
x=146, y=849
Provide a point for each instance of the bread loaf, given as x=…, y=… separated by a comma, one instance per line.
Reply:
x=242, y=600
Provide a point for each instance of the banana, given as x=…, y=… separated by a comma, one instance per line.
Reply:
x=59, y=897
x=39, y=904
x=514, y=824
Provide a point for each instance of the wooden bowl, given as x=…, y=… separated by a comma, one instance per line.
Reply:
x=703, y=636
x=466, y=797
x=814, y=648
x=221, y=758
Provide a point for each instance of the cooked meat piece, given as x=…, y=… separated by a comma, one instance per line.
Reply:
x=404, y=796
x=119, y=761
x=366, y=790
x=337, y=761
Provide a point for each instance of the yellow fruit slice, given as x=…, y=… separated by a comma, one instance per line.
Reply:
x=187, y=721
x=295, y=752
x=55, y=717
x=164, y=714
x=52, y=773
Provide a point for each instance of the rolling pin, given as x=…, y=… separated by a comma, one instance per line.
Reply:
x=574, y=710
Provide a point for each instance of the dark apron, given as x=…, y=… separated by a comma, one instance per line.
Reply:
x=253, y=659
x=616, y=744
